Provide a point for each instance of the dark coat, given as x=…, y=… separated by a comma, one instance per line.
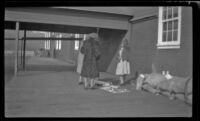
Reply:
x=91, y=51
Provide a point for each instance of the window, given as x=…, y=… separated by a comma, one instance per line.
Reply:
x=47, y=42
x=84, y=36
x=58, y=42
x=169, y=27
x=76, y=45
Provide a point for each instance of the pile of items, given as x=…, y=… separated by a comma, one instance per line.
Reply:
x=110, y=87
x=166, y=84
x=114, y=89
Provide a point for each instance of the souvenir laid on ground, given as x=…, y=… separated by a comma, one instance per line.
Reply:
x=114, y=89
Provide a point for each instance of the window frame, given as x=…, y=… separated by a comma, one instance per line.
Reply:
x=168, y=44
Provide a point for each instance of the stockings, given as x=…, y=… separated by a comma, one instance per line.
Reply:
x=88, y=83
x=80, y=81
x=122, y=79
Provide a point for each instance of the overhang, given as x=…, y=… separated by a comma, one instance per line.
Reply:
x=50, y=19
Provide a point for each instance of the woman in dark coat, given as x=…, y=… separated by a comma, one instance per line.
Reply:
x=91, y=51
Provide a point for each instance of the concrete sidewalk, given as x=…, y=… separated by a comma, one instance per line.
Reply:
x=57, y=94
x=47, y=61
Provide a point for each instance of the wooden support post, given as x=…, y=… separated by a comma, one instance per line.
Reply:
x=21, y=52
x=24, y=51
x=16, y=47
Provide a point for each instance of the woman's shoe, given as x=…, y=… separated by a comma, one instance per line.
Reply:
x=86, y=87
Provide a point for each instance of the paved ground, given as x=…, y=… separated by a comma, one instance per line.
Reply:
x=51, y=94
x=9, y=63
x=48, y=64
x=46, y=61
x=9, y=67
x=57, y=94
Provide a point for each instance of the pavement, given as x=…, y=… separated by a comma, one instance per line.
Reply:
x=49, y=64
x=57, y=94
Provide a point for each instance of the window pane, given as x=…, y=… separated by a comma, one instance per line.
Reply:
x=165, y=26
x=76, y=45
x=169, y=36
x=175, y=12
x=170, y=25
x=175, y=25
x=60, y=45
x=164, y=36
x=175, y=35
x=164, y=14
x=169, y=13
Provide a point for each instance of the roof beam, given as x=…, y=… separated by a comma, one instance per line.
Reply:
x=45, y=38
x=83, y=21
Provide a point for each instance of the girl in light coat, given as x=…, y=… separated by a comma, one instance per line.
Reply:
x=123, y=66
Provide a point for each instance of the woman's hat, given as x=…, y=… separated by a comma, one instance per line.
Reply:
x=93, y=35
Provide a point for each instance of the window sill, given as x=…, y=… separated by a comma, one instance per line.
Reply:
x=168, y=46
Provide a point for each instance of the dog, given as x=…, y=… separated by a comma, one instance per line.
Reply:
x=175, y=85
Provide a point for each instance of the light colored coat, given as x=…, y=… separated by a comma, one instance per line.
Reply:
x=80, y=60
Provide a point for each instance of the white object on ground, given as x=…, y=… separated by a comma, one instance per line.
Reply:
x=163, y=73
x=139, y=82
x=142, y=75
x=114, y=89
x=168, y=76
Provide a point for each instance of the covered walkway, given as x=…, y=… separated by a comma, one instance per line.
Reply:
x=57, y=94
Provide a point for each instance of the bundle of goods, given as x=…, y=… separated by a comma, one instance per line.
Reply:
x=159, y=84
